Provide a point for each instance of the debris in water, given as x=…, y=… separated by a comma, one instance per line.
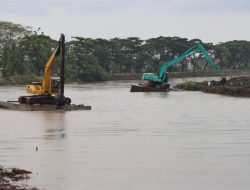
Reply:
x=9, y=179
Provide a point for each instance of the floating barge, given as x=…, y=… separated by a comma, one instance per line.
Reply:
x=16, y=106
x=139, y=88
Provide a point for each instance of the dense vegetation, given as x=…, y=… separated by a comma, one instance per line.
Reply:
x=24, y=52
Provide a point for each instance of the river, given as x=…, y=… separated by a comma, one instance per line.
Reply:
x=131, y=141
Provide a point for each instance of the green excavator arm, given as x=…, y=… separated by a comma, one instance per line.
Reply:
x=162, y=75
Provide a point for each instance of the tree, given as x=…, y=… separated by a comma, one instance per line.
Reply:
x=235, y=54
x=11, y=57
x=37, y=48
x=83, y=65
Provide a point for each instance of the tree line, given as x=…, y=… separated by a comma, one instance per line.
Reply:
x=24, y=51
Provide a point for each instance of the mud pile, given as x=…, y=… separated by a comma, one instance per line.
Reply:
x=238, y=86
x=12, y=179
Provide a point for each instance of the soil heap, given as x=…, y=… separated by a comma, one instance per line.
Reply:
x=238, y=87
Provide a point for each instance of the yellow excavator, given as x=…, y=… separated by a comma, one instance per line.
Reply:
x=50, y=90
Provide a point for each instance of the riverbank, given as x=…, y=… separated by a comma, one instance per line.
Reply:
x=19, y=80
x=13, y=178
x=237, y=86
x=188, y=74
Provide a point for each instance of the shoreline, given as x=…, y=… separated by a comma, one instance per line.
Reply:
x=237, y=87
x=28, y=79
x=187, y=74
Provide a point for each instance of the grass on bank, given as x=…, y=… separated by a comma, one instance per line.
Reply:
x=189, y=85
x=18, y=79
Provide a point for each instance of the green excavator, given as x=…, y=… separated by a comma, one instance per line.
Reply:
x=159, y=82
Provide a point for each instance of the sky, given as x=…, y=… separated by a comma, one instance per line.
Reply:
x=212, y=21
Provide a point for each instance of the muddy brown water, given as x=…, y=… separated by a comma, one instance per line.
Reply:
x=131, y=141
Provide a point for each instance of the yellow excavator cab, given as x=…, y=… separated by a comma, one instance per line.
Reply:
x=36, y=87
x=55, y=86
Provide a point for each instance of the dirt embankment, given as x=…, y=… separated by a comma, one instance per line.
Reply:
x=237, y=86
x=13, y=179
x=138, y=76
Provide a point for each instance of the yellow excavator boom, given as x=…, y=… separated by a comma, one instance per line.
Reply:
x=46, y=86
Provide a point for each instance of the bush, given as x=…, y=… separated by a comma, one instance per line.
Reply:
x=189, y=85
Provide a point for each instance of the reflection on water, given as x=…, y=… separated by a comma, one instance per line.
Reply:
x=55, y=125
x=175, y=140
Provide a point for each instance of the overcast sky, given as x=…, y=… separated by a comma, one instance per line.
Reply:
x=210, y=20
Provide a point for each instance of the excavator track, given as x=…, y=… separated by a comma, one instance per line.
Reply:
x=44, y=99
